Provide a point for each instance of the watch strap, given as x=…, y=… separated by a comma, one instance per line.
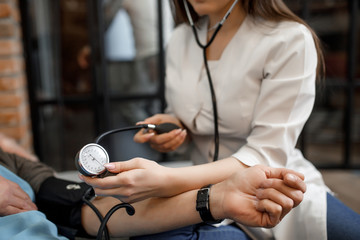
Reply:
x=203, y=205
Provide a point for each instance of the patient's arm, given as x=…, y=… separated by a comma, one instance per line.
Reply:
x=258, y=196
x=151, y=215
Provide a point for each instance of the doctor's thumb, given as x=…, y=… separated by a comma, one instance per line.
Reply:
x=112, y=167
x=118, y=167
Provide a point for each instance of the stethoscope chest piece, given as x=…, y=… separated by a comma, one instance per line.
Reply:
x=90, y=160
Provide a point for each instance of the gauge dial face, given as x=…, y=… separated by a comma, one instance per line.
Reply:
x=92, y=158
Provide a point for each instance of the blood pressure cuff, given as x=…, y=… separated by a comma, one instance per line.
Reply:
x=61, y=201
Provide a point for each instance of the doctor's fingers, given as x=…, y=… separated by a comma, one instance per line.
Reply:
x=102, y=183
x=132, y=164
x=130, y=179
x=169, y=141
x=295, y=194
x=154, y=119
x=163, y=138
x=123, y=194
x=141, y=137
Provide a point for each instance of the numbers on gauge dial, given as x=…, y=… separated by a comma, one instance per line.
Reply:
x=93, y=157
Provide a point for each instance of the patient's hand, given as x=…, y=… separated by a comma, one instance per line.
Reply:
x=13, y=199
x=257, y=196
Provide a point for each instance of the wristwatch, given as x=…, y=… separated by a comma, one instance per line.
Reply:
x=203, y=205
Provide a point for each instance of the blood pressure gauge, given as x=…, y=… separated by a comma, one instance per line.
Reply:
x=90, y=160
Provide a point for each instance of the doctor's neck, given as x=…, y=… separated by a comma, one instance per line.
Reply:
x=234, y=20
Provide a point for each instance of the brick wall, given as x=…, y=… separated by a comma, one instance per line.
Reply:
x=14, y=108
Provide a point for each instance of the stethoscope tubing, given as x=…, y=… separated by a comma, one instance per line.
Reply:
x=211, y=86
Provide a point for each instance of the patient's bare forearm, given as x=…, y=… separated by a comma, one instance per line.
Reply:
x=152, y=215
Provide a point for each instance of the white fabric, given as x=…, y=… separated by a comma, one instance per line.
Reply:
x=144, y=23
x=144, y=20
x=133, y=32
x=265, y=89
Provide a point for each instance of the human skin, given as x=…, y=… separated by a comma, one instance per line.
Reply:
x=164, y=142
x=13, y=199
x=139, y=178
x=258, y=196
x=146, y=183
x=193, y=177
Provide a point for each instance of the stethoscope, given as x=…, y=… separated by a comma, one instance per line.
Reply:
x=204, y=47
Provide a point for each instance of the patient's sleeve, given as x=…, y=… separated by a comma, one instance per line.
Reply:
x=35, y=173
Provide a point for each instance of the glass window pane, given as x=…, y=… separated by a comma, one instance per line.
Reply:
x=355, y=157
x=64, y=131
x=125, y=114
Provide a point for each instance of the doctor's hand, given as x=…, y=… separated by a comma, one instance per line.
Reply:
x=13, y=199
x=165, y=142
x=257, y=196
x=135, y=180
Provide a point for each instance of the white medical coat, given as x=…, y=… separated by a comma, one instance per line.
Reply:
x=265, y=89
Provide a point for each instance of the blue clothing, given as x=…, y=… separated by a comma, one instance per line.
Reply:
x=199, y=232
x=26, y=225
x=342, y=222
x=6, y=173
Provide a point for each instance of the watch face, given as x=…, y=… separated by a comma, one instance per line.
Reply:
x=91, y=159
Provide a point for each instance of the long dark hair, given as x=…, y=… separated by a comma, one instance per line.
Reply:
x=270, y=10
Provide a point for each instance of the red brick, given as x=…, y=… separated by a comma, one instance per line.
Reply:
x=13, y=116
x=17, y=132
x=16, y=15
x=11, y=99
x=12, y=83
x=11, y=65
x=5, y=10
x=14, y=110
x=10, y=47
x=10, y=11
x=8, y=29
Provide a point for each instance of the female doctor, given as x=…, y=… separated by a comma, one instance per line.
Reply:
x=248, y=78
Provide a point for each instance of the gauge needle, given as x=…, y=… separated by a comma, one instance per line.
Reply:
x=96, y=160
